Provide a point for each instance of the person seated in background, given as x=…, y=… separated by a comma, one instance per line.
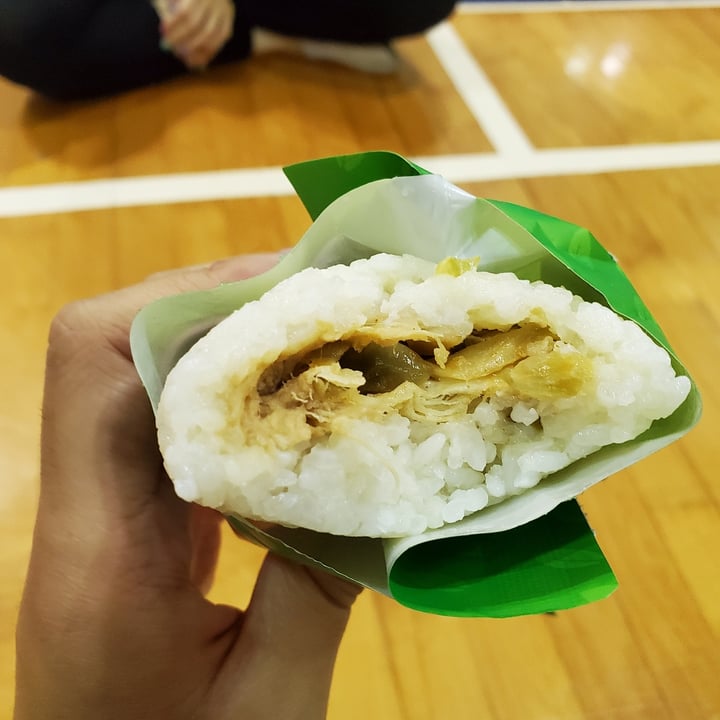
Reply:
x=115, y=622
x=79, y=49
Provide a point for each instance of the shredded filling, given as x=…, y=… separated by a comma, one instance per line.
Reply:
x=422, y=377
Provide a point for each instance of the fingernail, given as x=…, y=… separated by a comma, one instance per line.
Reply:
x=242, y=267
x=165, y=45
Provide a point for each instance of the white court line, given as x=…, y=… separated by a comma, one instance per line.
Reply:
x=264, y=182
x=478, y=93
x=516, y=157
x=498, y=8
x=145, y=190
x=574, y=161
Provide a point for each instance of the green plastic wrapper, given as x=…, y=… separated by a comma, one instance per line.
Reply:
x=532, y=553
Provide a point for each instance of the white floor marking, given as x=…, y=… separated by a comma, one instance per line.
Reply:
x=264, y=182
x=478, y=93
x=497, y=8
x=515, y=156
x=145, y=190
x=573, y=161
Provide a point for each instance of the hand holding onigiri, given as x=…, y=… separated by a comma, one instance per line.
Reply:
x=390, y=396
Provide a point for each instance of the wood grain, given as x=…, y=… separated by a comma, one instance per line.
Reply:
x=648, y=652
x=272, y=110
x=604, y=78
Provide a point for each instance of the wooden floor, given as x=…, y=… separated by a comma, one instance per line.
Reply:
x=570, y=80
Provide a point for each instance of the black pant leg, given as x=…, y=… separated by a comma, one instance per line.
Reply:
x=73, y=49
x=352, y=21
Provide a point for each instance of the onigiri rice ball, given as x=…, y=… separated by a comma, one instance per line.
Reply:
x=393, y=395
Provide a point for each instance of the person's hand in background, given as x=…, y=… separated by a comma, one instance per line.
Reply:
x=195, y=30
x=114, y=622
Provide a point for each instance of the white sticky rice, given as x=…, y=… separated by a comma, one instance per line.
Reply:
x=320, y=455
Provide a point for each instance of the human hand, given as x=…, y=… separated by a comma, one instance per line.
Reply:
x=114, y=622
x=195, y=30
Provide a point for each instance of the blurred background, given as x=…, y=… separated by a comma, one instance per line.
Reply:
x=606, y=114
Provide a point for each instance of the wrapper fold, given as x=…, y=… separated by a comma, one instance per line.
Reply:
x=529, y=554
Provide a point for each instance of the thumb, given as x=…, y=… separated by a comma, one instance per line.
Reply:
x=91, y=384
x=289, y=640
